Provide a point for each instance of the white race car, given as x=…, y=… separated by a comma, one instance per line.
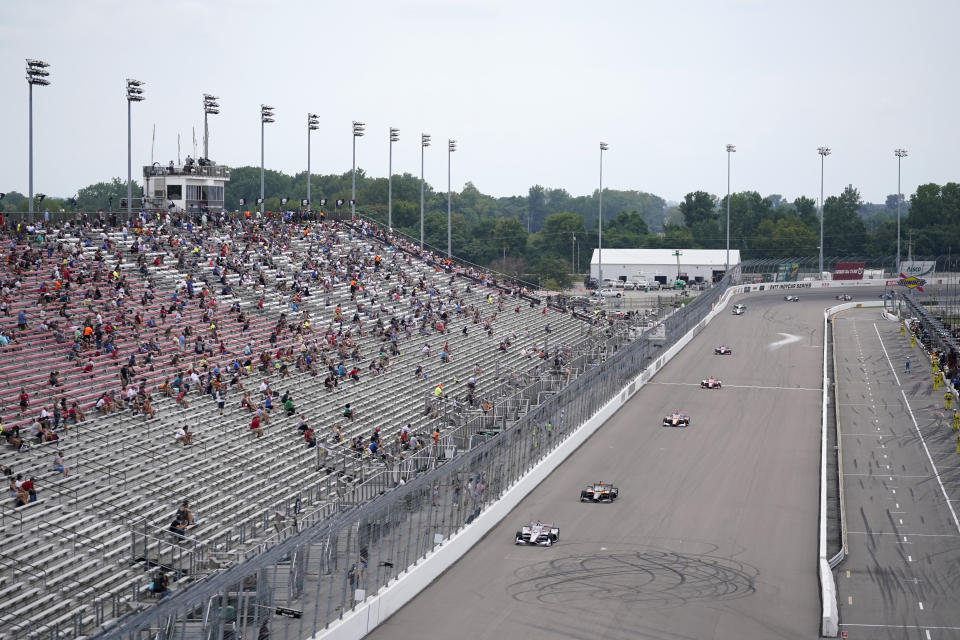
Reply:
x=710, y=383
x=739, y=309
x=792, y=298
x=537, y=533
x=844, y=296
x=722, y=350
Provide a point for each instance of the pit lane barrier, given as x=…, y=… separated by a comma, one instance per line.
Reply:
x=376, y=609
x=830, y=618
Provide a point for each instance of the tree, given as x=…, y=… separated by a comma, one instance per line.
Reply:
x=844, y=233
x=806, y=209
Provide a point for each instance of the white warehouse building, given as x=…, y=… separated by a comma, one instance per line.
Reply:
x=696, y=265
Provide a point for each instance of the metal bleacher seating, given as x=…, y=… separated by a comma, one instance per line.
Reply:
x=84, y=552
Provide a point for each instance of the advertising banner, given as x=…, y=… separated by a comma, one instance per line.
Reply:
x=787, y=272
x=918, y=268
x=848, y=271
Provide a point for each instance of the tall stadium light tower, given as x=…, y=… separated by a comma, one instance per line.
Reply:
x=730, y=149
x=358, y=128
x=451, y=147
x=266, y=117
x=134, y=94
x=37, y=74
x=824, y=152
x=901, y=154
x=210, y=107
x=313, y=123
x=394, y=136
x=424, y=143
x=603, y=147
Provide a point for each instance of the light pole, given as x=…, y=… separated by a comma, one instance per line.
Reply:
x=730, y=149
x=424, y=143
x=313, y=123
x=824, y=152
x=357, y=133
x=134, y=94
x=36, y=75
x=901, y=154
x=266, y=116
x=210, y=107
x=451, y=147
x=603, y=147
x=394, y=136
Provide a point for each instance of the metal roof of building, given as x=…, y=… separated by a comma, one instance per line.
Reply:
x=704, y=257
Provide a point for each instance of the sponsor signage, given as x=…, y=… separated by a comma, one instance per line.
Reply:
x=788, y=271
x=911, y=282
x=918, y=268
x=789, y=285
x=848, y=271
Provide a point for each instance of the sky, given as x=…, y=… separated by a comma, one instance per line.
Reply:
x=528, y=89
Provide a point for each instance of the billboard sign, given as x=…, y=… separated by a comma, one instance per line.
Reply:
x=918, y=268
x=848, y=271
x=788, y=272
x=911, y=282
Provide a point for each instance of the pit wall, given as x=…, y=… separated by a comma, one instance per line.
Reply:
x=829, y=623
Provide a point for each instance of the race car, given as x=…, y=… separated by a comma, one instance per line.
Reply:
x=710, y=383
x=676, y=419
x=722, y=350
x=844, y=296
x=599, y=493
x=537, y=533
x=792, y=298
x=738, y=309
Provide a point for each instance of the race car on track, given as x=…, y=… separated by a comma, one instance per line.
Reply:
x=676, y=419
x=722, y=350
x=844, y=296
x=710, y=383
x=738, y=309
x=537, y=533
x=792, y=298
x=599, y=492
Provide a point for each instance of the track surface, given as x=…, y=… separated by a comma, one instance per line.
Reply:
x=900, y=577
x=715, y=532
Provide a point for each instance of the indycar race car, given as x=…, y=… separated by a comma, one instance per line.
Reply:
x=792, y=298
x=844, y=296
x=676, y=419
x=722, y=350
x=537, y=533
x=599, y=493
x=738, y=309
x=710, y=383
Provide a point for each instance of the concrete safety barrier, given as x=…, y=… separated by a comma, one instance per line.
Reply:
x=830, y=615
x=376, y=609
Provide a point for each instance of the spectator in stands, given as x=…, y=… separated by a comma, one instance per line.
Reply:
x=54, y=380
x=24, y=399
x=160, y=584
x=310, y=439
x=185, y=514
x=58, y=464
x=288, y=407
x=22, y=321
x=30, y=488
x=178, y=528
x=255, y=426
x=348, y=413
x=183, y=435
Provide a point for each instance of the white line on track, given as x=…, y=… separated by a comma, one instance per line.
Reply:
x=894, y=533
x=896, y=626
x=738, y=386
x=930, y=458
x=892, y=370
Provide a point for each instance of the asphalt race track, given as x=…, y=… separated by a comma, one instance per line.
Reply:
x=716, y=528
x=900, y=577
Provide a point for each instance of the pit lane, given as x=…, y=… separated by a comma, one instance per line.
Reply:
x=731, y=500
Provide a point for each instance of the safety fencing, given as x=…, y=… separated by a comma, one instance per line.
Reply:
x=319, y=573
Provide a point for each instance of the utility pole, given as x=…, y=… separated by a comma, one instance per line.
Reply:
x=573, y=244
x=677, y=253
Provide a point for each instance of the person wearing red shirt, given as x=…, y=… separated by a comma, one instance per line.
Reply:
x=255, y=426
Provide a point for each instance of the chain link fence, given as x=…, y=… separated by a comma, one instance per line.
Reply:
x=296, y=585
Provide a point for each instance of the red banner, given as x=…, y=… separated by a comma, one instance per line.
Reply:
x=848, y=271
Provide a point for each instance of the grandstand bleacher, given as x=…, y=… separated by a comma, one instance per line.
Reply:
x=307, y=296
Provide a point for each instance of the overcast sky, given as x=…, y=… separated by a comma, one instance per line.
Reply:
x=528, y=90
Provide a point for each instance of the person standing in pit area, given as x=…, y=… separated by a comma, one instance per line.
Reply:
x=956, y=420
x=948, y=400
x=907, y=370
